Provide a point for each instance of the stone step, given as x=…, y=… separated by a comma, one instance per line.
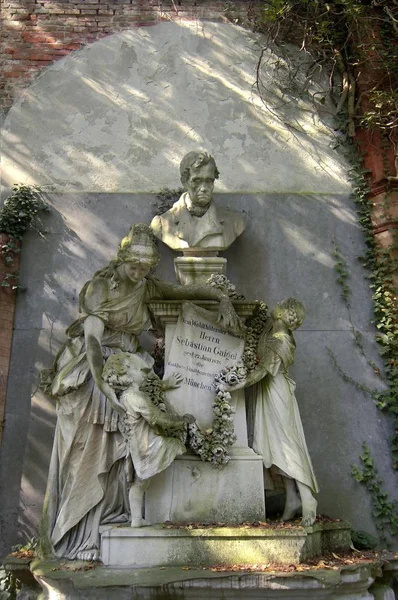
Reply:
x=72, y=581
x=163, y=545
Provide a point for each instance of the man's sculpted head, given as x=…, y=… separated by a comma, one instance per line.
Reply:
x=198, y=172
x=195, y=221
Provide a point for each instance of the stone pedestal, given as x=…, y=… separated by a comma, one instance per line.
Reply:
x=192, y=490
x=197, y=269
x=64, y=580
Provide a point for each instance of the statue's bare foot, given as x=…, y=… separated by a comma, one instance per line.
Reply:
x=138, y=522
x=309, y=513
x=291, y=509
x=92, y=554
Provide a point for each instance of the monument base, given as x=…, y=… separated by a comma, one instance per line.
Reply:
x=163, y=545
x=74, y=580
x=230, y=494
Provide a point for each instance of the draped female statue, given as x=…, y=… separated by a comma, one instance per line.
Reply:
x=87, y=484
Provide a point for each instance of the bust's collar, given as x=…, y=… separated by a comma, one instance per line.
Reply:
x=194, y=229
x=181, y=204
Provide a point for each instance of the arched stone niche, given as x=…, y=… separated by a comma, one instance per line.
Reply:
x=118, y=115
x=104, y=128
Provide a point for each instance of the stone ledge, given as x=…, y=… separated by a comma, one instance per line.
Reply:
x=158, y=546
x=63, y=579
x=168, y=311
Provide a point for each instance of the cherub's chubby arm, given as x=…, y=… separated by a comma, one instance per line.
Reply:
x=158, y=418
x=258, y=373
x=268, y=364
x=172, y=382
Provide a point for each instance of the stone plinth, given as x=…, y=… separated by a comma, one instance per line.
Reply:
x=163, y=546
x=60, y=580
x=192, y=490
x=197, y=269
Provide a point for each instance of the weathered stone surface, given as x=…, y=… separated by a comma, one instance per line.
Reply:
x=337, y=418
x=175, y=583
x=190, y=269
x=119, y=114
x=160, y=546
x=382, y=592
x=191, y=490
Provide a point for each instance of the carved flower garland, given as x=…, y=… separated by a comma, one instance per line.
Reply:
x=212, y=445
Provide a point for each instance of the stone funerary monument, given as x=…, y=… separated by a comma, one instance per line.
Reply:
x=129, y=446
x=176, y=448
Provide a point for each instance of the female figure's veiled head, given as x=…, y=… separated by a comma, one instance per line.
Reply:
x=139, y=245
x=137, y=255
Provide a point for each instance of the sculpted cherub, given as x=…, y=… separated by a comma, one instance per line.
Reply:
x=278, y=433
x=153, y=436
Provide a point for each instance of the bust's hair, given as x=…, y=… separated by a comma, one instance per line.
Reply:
x=294, y=312
x=194, y=160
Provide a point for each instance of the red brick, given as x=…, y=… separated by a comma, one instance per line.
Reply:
x=5, y=351
x=4, y=363
x=28, y=36
x=6, y=336
x=13, y=74
x=37, y=41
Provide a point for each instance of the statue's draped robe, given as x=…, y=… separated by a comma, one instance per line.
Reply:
x=278, y=434
x=87, y=482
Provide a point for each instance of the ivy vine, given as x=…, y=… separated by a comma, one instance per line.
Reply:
x=381, y=264
x=346, y=38
x=384, y=510
x=16, y=216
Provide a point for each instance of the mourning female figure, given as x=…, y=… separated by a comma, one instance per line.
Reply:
x=87, y=484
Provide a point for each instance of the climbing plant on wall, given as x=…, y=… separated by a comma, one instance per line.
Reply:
x=16, y=216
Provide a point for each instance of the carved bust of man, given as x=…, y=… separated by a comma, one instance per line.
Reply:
x=194, y=221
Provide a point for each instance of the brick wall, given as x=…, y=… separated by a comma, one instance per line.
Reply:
x=34, y=33
x=7, y=310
